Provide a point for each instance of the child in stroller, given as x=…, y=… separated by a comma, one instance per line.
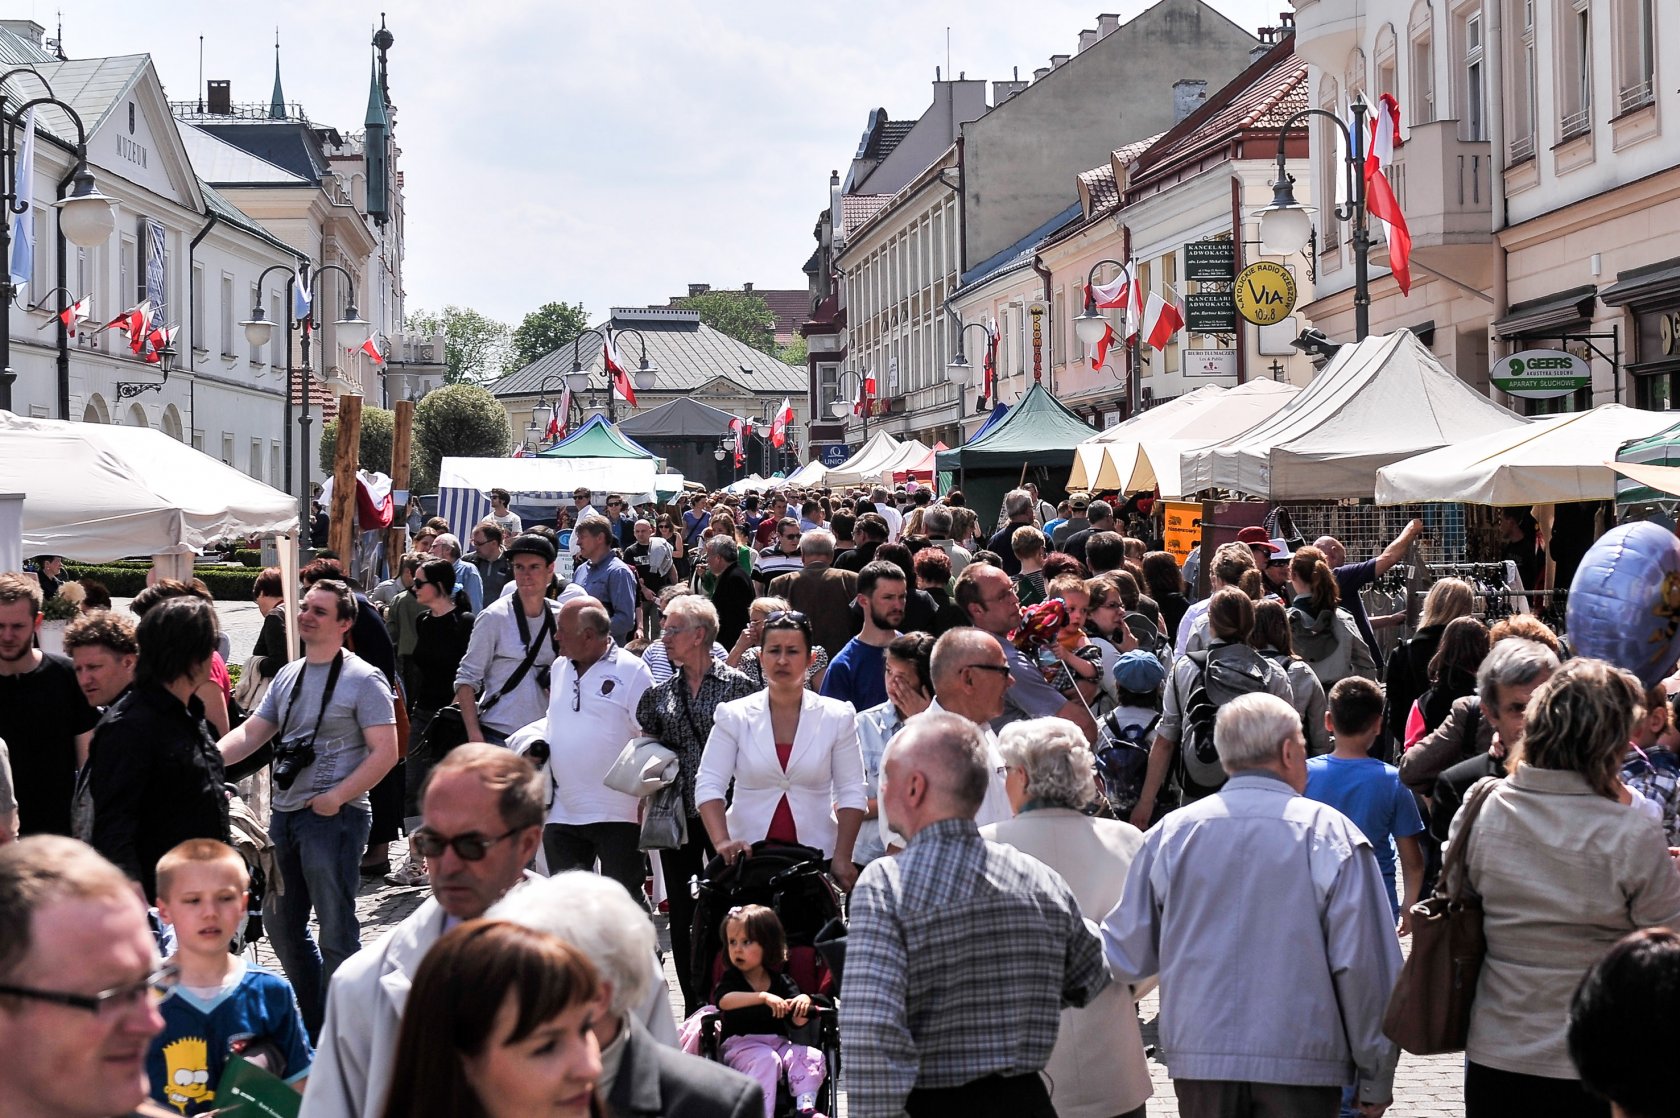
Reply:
x=758, y=1001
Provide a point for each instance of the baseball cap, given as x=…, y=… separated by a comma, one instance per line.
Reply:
x=1139, y=672
x=1079, y=500
x=1255, y=536
x=530, y=544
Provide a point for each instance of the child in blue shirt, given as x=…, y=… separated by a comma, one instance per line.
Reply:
x=1367, y=790
x=221, y=1005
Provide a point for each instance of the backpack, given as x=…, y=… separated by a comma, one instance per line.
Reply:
x=1122, y=758
x=1219, y=679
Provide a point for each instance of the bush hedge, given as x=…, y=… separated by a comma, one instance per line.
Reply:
x=227, y=584
x=248, y=557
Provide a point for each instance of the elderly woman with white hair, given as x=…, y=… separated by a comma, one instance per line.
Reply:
x=1098, y=1065
x=642, y=1071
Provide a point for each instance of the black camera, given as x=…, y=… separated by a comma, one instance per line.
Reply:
x=544, y=673
x=290, y=760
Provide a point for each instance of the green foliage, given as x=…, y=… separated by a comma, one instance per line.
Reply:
x=794, y=353
x=227, y=584
x=475, y=346
x=374, y=451
x=543, y=331
x=457, y=421
x=743, y=316
x=248, y=557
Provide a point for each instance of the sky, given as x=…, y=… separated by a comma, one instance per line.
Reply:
x=609, y=153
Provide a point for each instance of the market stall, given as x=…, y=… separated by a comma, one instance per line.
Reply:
x=1034, y=441
x=810, y=474
x=1378, y=401
x=864, y=467
x=536, y=483
x=1144, y=452
x=920, y=470
x=909, y=453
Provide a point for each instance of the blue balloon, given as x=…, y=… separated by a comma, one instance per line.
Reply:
x=1624, y=605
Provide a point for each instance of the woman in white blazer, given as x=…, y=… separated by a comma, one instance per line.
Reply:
x=1098, y=1068
x=822, y=780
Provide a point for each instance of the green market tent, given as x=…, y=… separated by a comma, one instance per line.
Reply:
x=1037, y=431
x=1659, y=450
x=596, y=439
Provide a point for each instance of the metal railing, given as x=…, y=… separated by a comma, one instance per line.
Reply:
x=1578, y=123
x=1637, y=95
x=248, y=110
x=1522, y=147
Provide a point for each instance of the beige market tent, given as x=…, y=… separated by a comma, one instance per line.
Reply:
x=1148, y=458
x=911, y=452
x=1089, y=456
x=1378, y=401
x=1550, y=460
x=864, y=467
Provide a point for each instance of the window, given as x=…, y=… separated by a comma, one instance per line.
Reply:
x=1575, y=69
x=1420, y=32
x=227, y=315
x=1473, y=116
x=256, y=465
x=198, y=308
x=1524, y=83
x=257, y=351
x=1636, y=54
x=1169, y=292
x=274, y=465
x=1328, y=182
x=227, y=448
x=198, y=440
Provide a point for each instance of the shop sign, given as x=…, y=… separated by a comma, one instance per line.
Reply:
x=1182, y=532
x=1540, y=374
x=1210, y=312
x=834, y=454
x=1210, y=362
x=1212, y=261
x=1265, y=292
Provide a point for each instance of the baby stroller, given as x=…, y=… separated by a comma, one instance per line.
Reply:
x=793, y=882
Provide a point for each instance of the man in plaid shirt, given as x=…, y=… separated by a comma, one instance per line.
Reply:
x=961, y=953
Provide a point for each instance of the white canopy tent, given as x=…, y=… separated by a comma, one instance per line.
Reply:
x=864, y=467
x=1147, y=456
x=1546, y=461
x=1088, y=456
x=752, y=483
x=464, y=483
x=1378, y=401
x=811, y=473
x=98, y=493
x=911, y=452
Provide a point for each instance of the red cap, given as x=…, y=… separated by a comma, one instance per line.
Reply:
x=1255, y=536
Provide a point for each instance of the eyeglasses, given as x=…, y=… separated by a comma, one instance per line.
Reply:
x=419, y=582
x=577, y=694
x=468, y=847
x=154, y=988
x=1001, y=669
x=615, y=504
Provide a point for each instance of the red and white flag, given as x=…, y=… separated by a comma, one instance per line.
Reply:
x=1161, y=320
x=779, y=425
x=742, y=429
x=1134, y=309
x=866, y=396
x=157, y=341
x=133, y=322
x=615, y=370
x=1379, y=195
x=518, y=451
x=371, y=348
x=74, y=313
x=1097, y=354
x=1114, y=292
x=992, y=340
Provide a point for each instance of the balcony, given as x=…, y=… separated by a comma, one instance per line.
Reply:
x=1443, y=186
x=1325, y=30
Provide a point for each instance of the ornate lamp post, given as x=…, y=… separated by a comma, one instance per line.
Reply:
x=646, y=374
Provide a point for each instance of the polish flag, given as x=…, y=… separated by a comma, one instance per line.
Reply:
x=778, y=426
x=1112, y=293
x=866, y=396
x=992, y=340
x=551, y=433
x=518, y=451
x=1161, y=320
x=615, y=369
x=741, y=429
x=562, y=420
x=74, y=313
x=1098, y=354
x=371, y=348
x=1379, y=195
x=159, y=340
x=1134, y=310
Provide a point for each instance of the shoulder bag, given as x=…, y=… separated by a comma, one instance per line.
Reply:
x=643, y=767
x=448, y=727
x=1429, y=1011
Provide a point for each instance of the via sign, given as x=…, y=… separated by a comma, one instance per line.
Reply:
x=1265, y=292
x=1540, y=374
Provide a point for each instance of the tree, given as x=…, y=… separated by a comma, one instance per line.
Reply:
x=794, y=353
x=743, y=316
x=545, y=330
x=475, y=346
x=374, y=453
x=457, y=421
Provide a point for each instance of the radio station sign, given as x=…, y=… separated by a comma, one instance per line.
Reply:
x=1265, y=292
x=1212, y=261
x=1540, y=374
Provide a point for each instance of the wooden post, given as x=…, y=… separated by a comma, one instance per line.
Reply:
x=342, y=537
x=402, y=438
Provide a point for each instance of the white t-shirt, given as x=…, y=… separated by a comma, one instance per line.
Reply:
x=586, y=741
x=895, y=519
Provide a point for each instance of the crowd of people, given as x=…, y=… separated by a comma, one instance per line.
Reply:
x=1050, y=767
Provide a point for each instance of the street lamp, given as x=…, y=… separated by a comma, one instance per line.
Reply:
x=1091, y=324
x=840, y=408
x=1286, y=225
x=958, y=370
x=84, y=216
x=645, y=376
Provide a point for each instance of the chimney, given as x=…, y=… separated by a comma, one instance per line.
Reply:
x=1056, y=60
x=1107, y=24
x=26, y=29
x=1087, y=39
x=1038, y=74
x=1258, y=50
x=698, y=289
x=746, y=289
x=1188, y=95
x=220, y=97
x=1003, y=91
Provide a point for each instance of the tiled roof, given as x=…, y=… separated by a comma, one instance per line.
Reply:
x=791, y=308
x=1265, y=104
x=857, y=209
x=688, y=354
x=1100, y=181
x=892, y=134
x=321, y=398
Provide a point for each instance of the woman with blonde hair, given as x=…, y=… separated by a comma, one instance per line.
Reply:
x=1564, y=867
x=1233, y=565
x=500, y=1023
x=745, y=654
x=1324, y=634
x=1407, y=674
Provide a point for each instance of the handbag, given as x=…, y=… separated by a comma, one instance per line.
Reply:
x=1429, y=1011
x=448, y=727
x=643, y=767
x=665, y=823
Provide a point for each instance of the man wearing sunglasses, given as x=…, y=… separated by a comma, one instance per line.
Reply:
x=79, y=985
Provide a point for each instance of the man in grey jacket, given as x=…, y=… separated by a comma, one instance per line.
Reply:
x=1260, y=881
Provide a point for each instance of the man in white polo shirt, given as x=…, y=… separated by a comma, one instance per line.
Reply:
x=591, y=715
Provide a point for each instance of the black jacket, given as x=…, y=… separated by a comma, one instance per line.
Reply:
x=155, y=779
x=1450, y=789
x=1407, y=676
x=654, y=1080
x=733, y=598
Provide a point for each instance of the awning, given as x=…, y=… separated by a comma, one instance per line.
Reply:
x=1547, y=313
x=1648, y=284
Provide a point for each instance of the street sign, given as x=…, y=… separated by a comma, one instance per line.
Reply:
x=1215, y=261
x=835, y=453
x=1540, y=374
x=1210, y=312
x=1265, y=292
x=1210, y=362
x=1183, y=533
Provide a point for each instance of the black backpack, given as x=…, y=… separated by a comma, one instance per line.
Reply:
x=1219, y=679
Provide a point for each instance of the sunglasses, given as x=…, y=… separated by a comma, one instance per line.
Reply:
x=792, y=615
x=1001, y=669
x=419, y=582
x=469, y=847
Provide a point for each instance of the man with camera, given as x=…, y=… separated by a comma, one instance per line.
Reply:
x=502, y=681
x=334, y=716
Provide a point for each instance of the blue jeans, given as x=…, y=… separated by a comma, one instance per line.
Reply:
x=319, y=859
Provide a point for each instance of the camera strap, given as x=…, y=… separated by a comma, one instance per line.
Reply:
x=326, y=697
x=532, y=647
